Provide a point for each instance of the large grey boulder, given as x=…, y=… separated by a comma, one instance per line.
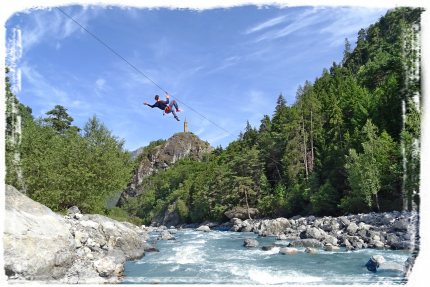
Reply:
x=277, y=226
x=305, y=243
x=242, y=213
x=311, y=232
x=120, y=236
x=150, y=247
x=288, y=250
x=37, y=243
x=250, y=243
x=203, y=228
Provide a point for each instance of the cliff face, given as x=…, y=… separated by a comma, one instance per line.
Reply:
x=161, y=158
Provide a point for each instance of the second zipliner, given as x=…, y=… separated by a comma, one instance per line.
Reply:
x=164, y=105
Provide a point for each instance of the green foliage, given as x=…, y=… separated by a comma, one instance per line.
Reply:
x=325, y=200
x=60, y=120
x=69, y=169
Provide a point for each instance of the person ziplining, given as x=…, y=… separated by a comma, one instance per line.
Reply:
x=164, y=105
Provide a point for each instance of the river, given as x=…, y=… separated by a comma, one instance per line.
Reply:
x=219, y=257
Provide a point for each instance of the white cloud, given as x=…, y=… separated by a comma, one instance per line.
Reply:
x=100, y=83
x=267, y=24
x=52, y=25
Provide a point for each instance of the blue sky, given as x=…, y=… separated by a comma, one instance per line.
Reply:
x=229, y=64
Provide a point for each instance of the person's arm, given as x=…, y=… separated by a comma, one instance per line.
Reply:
x=145, y=103
x=167, y=97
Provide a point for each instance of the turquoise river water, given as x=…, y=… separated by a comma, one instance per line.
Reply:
x=219, y=257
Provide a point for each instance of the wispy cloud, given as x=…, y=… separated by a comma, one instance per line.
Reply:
x=267, y=24
x=53, y=25
x=49, y=95
x=349, y=21
x=298, y=22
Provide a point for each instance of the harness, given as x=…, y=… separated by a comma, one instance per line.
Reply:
x=166, y=110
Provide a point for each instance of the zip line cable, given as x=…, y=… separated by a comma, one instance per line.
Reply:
x=113, y=51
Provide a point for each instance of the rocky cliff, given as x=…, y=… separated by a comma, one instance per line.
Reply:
x=162, y=157
x=41, y=246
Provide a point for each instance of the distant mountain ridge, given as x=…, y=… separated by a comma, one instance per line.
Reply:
x=136, y=153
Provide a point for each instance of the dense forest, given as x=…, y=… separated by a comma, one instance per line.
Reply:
x=349, y=143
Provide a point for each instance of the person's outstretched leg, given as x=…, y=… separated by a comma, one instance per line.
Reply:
x=173, y=111
x=176, y=106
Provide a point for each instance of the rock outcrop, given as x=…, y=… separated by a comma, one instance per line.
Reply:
x=43, y=247
x=37, y=243
x=162, y=157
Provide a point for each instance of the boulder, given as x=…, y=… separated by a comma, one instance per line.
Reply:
x=352, y=228
x=305, y=243
x=105, y=267
x=281, y=237
x=165, y=235
x=374, y=262
x=401, y=224
x=149, y=247
x=266, y=248
x=242, y=213
x=37, y=243
x=278, y=226
x=119, y=236
x=288, y=250
x=330, y=239
x=403, y=245
x=236, y=221
x=311, y=250
x=330, y=247
x=345, y=221
x=250, y=243
x=203, y=228
x=311, y=232
x=388, y=219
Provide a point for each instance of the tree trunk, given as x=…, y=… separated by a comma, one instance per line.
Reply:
x=304, y=144
x=312, y=145
x=247, y=206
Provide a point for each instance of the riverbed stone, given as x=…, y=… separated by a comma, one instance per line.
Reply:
x=288, y=250
x=250, y=243
x=203, y=228
x=305, y=243
x=352, y=228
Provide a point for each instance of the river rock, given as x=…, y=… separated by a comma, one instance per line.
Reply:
x=281, y=237
x=288, y=250
x=149, y=247
x=37, y=243
x=311, y=250
x=120, y=236
x=278, y=226
x=311, y=232
x=403, y=245
x=401, y=224
x=203, y=228
x=266, y=248
x=250, y=243
x=374, y=262
x=242, y=213
x=352, y=228
x=330, y=239
x=330, y=247
x=388, y=219
x=305, y=243
x=236, y=221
